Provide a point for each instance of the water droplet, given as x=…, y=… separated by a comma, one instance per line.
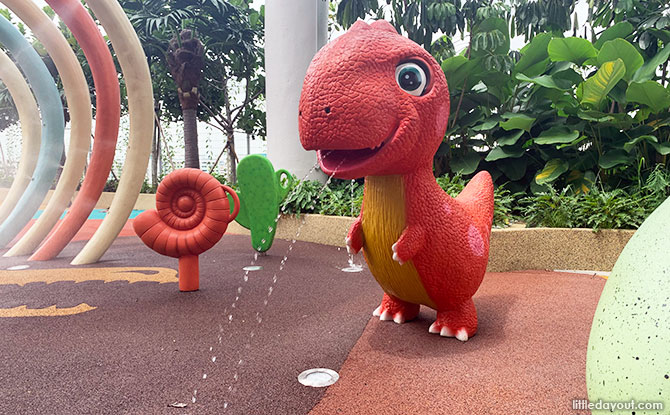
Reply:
x=262, y=241
x=213, y=359
x=211, y=348
x=230, y=317
x=204, y=375
x=270, y=228
x=225, y=405
x=193, y=399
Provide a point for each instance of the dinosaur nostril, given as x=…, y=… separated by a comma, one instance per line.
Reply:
x=327, y=110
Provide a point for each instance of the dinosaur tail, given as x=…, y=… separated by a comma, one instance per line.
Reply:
x=477, y=199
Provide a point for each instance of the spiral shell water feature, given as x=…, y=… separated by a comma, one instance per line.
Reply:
x=192, y=214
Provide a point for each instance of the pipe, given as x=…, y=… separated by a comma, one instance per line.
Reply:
x=79, y=106
x=108, y=111
x=53, y=127
x=140, y=103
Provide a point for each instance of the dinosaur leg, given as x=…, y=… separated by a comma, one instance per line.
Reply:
x=395, y=309
x=459, y=322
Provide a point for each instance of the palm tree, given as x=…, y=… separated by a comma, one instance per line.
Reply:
x=185, y=60
x=209, y=41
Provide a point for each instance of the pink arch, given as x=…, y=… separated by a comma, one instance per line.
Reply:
x=108, y=104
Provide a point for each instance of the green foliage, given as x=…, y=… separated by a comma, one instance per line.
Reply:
x=596, y=209
x=504, y=200
x=553, y=209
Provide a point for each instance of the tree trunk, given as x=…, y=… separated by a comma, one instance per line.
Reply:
x=186, y=60
x=191, y=156
x=232, y=158
x=155, y=155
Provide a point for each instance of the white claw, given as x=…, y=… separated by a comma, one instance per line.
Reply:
x=386, y=316
x=347, y=240
x=398, y=318
x=462, y=335
x=377, y=312
x=445, y=332
x=396, y=258
x=433, y=328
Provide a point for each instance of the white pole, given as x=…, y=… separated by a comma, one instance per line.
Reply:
x=294, y=31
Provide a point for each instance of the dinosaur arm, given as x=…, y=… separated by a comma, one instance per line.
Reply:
x=354, y=238
x=411, y=241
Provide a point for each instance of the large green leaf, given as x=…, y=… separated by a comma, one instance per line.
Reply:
x=648, y=70
x=649, y=93
x=551, y=171
x=599, y=85
x=661, y=148
x=534, y=56
x=503, y=153
x=619, y=30
x=486, y=125
x=571, y=49
x=613, y=158
x=517, y=121
x=557, y=135
x=514, y=169
x=631, y=144
x=511, y=138
x=456, y=70
x=621, y=49
x=466, y=164
x=546, y=81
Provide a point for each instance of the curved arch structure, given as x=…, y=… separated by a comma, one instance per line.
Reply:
x=79, y=106
x=108, y=103
x=140, y=102
x=29, y=116
x=51, y=147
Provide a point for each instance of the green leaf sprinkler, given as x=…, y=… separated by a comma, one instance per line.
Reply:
x=261, y=191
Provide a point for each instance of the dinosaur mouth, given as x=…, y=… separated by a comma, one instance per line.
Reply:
x=340, y=162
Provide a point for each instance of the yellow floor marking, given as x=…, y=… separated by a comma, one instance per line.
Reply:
x=129, y=274
x=53, y=311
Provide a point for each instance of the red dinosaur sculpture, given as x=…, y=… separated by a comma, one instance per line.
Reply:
x=376, y=104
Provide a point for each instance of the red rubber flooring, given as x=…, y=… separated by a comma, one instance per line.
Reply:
x=146, y=345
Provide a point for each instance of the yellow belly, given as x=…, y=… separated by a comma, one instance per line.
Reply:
x=383, y=223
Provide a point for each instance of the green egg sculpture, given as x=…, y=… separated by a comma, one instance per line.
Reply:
x=261, y=191
x=628, y=356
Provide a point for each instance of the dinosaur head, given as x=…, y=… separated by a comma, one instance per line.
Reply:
x=373, y=103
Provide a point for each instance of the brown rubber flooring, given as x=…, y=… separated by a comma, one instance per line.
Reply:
x=143, y=345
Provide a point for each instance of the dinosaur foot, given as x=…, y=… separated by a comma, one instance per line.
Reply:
x=397, y=310
x=460, y=322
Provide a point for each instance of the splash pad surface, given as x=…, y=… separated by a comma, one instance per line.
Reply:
x=139, y=347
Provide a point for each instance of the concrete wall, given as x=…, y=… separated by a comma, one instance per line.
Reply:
x=511, y=248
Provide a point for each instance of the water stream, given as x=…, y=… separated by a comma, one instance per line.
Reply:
x=230, y=311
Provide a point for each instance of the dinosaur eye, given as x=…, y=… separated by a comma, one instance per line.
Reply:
x=411, y=78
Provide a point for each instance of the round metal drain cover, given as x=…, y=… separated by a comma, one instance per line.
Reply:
x=253, y=268
x=318, y=378
x=18, y=267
